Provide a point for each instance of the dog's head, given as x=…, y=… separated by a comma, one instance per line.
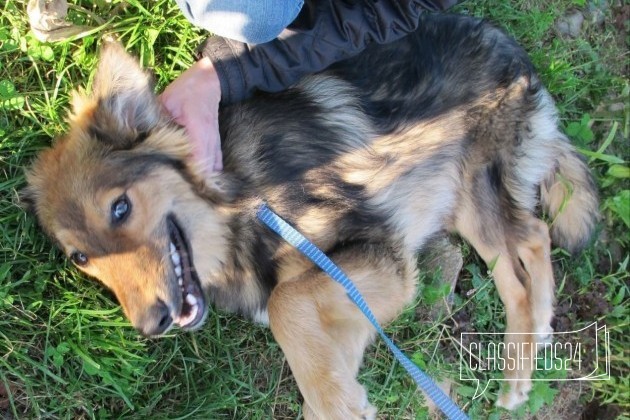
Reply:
x=119, y=196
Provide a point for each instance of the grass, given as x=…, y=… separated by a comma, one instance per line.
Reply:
x=66, y=350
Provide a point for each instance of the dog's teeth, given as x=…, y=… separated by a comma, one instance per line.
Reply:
x=175, y=257
x=191, y=300
x=178, y=271
x=193, y=313
x=181, y=282
x=172, y=246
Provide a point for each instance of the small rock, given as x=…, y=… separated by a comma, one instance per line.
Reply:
x=596, y=11
x=570, y=25
x=441, y=253
x=616, y=107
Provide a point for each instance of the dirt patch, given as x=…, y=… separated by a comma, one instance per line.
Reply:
x=594, y=410
x=5, y=402
x=566, y=405
x=4, y=397
x=576, y=308
x=621, y=17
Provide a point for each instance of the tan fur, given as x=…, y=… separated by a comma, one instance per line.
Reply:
x=334, y=332
x=528, y=306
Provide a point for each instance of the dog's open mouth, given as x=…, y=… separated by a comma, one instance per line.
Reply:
x=193, y=307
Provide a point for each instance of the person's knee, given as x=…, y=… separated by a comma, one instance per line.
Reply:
x=254, y=22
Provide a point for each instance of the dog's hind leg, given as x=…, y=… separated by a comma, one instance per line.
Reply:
x=323, y=335
x=534, y=252
x=488, y=237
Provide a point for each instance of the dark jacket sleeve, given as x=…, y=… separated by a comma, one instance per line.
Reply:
x=324, y=32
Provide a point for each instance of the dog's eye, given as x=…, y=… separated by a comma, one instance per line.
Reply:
x=79, y=258
x=120, y=209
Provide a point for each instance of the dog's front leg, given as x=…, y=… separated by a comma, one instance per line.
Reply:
x=323, y=335
x=323, y=349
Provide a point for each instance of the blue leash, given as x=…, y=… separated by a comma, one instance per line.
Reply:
x=306, y=247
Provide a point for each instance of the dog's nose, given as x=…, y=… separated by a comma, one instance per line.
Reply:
x=156, y=320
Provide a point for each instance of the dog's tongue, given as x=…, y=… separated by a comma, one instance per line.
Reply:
x=193, y=309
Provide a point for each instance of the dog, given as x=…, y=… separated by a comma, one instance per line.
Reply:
x=446, y=130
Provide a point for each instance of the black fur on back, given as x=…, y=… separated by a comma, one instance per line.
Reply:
x=449, y=61
x=282, y=148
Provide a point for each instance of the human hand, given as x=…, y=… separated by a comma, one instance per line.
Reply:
x=193, y=101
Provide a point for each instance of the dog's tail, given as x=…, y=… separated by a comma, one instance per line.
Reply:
x=555, y=176
x=569, y=197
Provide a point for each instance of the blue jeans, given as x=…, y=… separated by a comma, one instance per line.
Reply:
x=250, y=21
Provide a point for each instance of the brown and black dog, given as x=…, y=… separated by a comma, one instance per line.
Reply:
x=448, y=129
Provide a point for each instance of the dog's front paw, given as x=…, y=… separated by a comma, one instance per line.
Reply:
x=342, y=411
x=516, y=395
x=368, y=412
x=544, y=336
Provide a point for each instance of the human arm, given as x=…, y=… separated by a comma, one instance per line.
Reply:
x=325, y=31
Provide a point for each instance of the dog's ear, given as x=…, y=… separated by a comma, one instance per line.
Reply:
x=123, y=105
x=42, y=177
